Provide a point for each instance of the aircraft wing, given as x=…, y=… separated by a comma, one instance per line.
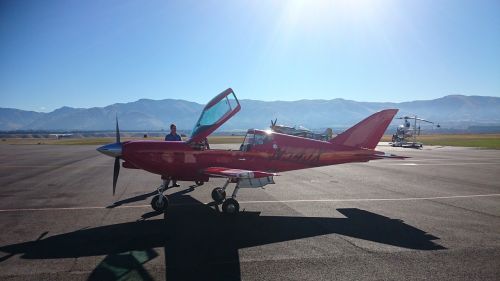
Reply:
x=236, y=173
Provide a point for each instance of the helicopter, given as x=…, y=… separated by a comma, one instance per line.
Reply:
x=406, y=135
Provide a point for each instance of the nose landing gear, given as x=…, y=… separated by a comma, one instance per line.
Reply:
x=159, y=202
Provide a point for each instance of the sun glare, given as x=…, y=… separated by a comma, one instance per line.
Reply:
x=312, y=13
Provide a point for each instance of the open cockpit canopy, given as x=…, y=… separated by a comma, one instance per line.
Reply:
x=216, y=112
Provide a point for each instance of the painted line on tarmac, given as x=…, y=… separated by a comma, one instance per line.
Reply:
x=260, y=202
x=373, y=199
x=72, y=208
x=50, y=166
x=458, y=159
x=438, y=164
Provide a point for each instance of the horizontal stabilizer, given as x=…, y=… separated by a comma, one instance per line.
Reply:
x=367, y=133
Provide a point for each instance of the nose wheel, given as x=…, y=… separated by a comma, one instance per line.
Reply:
x=160, y=203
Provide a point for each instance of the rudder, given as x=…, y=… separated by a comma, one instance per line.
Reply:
x=367, y=133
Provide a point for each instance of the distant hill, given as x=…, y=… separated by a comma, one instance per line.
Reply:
x=13, y=119
x=455, y=111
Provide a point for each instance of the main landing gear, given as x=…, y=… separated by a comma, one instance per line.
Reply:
x=159, y=202
x=230, y=205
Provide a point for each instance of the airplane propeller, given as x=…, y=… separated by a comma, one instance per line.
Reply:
x=114, y=150
x=116, y=170
x=274, y=123
x=117, y=131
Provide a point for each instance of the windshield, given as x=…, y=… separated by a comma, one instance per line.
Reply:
x=254, y=139
x=215, y=114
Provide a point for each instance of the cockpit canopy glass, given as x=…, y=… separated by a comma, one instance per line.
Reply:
x=255, y=138
x=215, y=114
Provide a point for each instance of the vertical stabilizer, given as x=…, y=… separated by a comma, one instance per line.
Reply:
x=367, y=133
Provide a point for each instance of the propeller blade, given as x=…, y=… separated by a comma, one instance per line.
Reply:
x=274, y=123
x=116, y=172
x=117, y=131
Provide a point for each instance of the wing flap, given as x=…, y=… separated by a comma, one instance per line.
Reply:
x=236, y=173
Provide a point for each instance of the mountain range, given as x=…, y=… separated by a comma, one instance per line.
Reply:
x=453, y=111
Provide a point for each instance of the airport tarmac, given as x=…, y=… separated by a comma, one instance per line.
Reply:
x=433, y=216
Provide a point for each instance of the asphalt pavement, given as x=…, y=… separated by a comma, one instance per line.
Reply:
x=432, y=216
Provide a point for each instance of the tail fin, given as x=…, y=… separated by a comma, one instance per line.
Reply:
x=367, y=133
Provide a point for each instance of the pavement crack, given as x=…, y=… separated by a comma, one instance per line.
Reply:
x=463, y=208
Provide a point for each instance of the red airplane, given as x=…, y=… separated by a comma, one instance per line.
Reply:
x=260, y=157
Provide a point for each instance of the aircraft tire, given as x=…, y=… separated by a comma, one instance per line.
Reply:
x=230, y=206
x=218, y=194
x=155, y=204
x=199, y=183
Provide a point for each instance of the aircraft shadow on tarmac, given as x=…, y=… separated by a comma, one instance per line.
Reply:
x=132, y=199
x=200, y=242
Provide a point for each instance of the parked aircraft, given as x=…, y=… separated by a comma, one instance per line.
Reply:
x=59, y=136
x=260, y=157
x=406, y=135
x=300, y=131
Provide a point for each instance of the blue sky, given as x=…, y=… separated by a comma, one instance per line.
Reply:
x=95, y=53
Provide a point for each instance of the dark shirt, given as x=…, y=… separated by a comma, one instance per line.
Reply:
x=172, y=137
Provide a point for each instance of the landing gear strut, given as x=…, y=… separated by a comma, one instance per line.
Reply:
x=159, y=202
x=230, y=206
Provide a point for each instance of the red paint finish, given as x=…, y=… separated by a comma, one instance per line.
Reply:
x=270, y=152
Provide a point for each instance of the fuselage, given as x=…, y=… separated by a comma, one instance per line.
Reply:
x=266, y=151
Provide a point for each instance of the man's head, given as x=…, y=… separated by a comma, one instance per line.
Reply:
x=173, y=128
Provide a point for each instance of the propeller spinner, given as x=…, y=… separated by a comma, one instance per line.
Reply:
x=114, y=150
